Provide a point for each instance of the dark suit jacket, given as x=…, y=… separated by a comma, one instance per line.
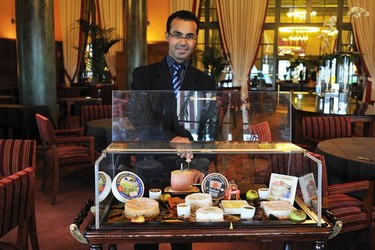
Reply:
x=157, y=77
x=156, y=113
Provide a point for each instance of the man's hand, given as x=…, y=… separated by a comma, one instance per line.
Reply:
x=180, y=139
x=198, y=176
x=182, y=143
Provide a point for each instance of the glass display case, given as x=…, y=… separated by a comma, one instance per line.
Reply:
x=223, y=139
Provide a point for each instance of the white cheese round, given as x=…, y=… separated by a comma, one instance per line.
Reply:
x=209, y=214
x=198, y=200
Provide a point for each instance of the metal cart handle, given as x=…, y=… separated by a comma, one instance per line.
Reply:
x=337, y=224
x=74, y=227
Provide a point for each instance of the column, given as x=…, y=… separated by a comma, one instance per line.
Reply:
x=36, y=53
x=136, y=36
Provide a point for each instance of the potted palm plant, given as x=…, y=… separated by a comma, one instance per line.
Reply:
x=214, y=61
x=101, y=40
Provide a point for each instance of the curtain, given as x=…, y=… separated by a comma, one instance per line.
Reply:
x=111, y=16
x=70, y=13
x=192, y=5
x=241, y=27
x=364, y=30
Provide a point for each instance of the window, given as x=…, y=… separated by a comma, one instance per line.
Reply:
x=277, y=49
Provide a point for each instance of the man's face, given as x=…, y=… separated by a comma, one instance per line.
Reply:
x=180, y=49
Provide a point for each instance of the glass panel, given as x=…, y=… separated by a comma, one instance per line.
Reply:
x=293, y=11
x=208, y=116
x=345, y=17
x=219, y=122
x=213, y=11
x=324, y=13
x=270, y=18
x=202, y=11
x=263, y=69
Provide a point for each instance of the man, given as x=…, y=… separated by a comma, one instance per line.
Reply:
x=181, y=35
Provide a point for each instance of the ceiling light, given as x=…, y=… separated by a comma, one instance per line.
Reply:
x=299, y=29
x=300, y=14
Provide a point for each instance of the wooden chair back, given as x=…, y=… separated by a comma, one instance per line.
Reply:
x=94, y=112
x=46, y=131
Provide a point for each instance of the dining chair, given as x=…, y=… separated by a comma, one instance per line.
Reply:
x=65, y=93
x=17, y=201
x=318, y=128
x=354, y=213
x=61, y=149
x=94, y=112
x=261, y=131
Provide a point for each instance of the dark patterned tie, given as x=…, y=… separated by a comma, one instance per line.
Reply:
x=176, y=79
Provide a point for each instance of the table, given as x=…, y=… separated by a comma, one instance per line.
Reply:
x=7, y=99
x=19, y=120
x=349, y=159
x=239, y=231
x=101, y=129
x=306, y=105
x=70, y=102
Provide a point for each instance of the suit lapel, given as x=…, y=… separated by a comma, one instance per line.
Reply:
x=163, y=79
x=162, y=76
x=190, y=80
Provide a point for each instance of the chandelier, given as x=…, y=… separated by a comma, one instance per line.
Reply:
x=283, y=50
x=300, y=14
x=298, y=33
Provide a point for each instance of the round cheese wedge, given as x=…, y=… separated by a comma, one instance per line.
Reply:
x=146, y=207
x=104, y=184
x=215, y=184
x=126, y=186
x=209, y=214
x=198, y=200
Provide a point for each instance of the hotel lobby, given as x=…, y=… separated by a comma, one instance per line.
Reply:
x=293, y=97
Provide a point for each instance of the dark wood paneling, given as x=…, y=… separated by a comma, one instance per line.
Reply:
x=8, y=65
x=155, y=52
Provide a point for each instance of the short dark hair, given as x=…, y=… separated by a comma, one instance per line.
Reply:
x=184, y=15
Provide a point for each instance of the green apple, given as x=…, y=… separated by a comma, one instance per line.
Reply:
x=252, y=195
x=297, y=215
x=164, y=197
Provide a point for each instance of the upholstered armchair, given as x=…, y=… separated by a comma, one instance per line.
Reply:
x=17, y=204
x=318, y=128
x=355, y=213
x=262, y=131
x=63, y=148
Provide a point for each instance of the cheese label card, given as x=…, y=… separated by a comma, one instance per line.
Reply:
x=215, y=184
x=126, y=186
x=308, y=188
x=282, y=188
